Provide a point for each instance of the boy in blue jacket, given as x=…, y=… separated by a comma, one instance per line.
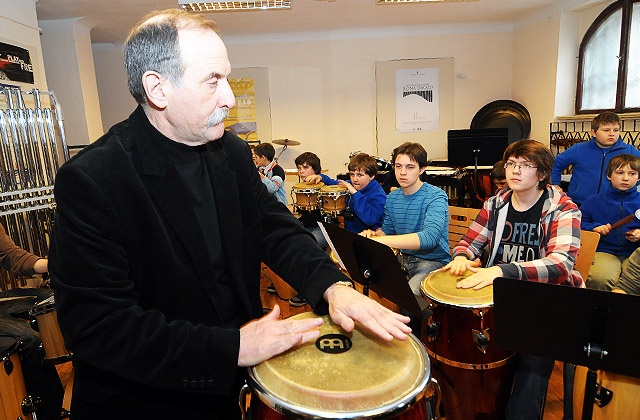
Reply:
x=602, y=210
x=366, y=205
x=590, y=159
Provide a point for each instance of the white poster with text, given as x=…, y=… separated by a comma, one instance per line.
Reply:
x=417, y=100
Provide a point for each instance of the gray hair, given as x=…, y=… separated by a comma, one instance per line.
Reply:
x=152, y=45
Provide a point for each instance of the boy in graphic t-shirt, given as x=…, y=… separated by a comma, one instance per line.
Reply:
x=530, y=231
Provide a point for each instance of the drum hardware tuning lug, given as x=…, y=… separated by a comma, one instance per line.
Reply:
x=8, y=365
x=433, y=331
x=34, y=325
x=481, y=338
x=603, y=396
x=30, y=405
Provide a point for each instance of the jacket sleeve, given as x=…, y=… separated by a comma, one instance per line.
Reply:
x=560, y=163
x=477, y=237
x=13, y=258
x=369, y=208
x=588, y=221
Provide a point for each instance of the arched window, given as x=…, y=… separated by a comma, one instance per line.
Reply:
x=609, y=62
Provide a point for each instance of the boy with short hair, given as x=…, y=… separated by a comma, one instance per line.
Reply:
x=590, y=159
x=416, y=217
x=271, y=174
x=366, y=205
x=498, y=175
x=602, y=210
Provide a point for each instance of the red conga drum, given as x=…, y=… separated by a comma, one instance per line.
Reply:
x=341, y=375
x=13, y=392
x=474, y=375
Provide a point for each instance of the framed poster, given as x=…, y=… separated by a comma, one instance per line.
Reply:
x=426, y=83
x=15, y=64
x=251, y=117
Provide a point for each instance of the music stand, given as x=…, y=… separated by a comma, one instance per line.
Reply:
x=375, y=267
x=582, y=326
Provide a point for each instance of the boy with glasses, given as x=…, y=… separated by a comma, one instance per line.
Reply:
x=530, y=231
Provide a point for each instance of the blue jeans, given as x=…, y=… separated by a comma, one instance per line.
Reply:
x=417, y=270
x=529, y=387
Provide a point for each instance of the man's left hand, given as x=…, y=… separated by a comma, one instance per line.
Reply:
x=346, y=306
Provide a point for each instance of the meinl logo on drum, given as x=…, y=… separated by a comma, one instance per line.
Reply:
x=334, y=343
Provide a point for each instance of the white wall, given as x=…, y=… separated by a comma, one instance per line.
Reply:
x=323, y=92
x=71, y=75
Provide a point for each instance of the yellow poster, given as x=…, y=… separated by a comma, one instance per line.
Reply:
x=242, y=118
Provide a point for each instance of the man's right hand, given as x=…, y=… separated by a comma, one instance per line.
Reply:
x=269, y=336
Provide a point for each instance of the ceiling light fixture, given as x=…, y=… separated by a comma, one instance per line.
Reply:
x=230, y=6
x=421, y=1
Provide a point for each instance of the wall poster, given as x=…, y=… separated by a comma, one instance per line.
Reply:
x=417, y=100
x=15, y=64
x=242, y=119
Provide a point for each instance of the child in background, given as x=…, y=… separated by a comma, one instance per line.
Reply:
x=309, y=170
x=590, y=159
x=366, y=206
x=600, y=211
x=271, y=174
x=498, y=175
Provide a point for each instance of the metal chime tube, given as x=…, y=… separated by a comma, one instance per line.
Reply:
x=30, y=138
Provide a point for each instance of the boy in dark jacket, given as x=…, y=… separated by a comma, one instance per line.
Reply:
x=602, y=210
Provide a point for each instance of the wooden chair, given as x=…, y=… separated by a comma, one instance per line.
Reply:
x=460, y=218
x=588, y=244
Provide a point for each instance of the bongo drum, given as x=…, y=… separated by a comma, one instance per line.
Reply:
x=475, y=376
x=13, y=392
x=341, y=376
x=333, y=199
x=46, y=317
x=619, y=396
x=305, y=195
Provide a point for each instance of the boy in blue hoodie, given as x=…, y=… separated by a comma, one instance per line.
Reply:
x=590, y=159
x=366, y=205
x=602, y=210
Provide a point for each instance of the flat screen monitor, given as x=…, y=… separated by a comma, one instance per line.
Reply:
x=488, y=143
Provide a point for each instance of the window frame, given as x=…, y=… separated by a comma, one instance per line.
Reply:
x=623, y=54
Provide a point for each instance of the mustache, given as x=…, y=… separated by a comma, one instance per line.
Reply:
x=217, y=117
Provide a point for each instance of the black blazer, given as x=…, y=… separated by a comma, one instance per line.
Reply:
x=134, y=284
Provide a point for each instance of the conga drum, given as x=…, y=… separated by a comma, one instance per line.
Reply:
x=333, y=199
x=618, y=396
x=13, y=392
x=305, y=195
x=46, y=317
x=341, y=375
x=474, y=375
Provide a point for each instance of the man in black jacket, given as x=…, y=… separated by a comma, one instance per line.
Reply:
x=161, y=227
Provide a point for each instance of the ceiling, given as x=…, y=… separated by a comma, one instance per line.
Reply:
x=112, y=19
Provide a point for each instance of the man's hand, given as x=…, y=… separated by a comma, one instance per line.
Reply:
x=347, y=306
x=268, y=336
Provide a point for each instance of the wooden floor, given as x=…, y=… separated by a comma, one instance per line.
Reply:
x=553, y=408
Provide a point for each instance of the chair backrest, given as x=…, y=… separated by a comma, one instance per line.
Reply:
x=460, y=218
x=588, y=244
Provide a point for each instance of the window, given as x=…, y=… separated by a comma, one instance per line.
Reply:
x=609, y=62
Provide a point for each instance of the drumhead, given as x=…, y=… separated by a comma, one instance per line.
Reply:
x=333, y=189
x=44, y=306
x=306, y=186
x=343, y=373
x=440, y=286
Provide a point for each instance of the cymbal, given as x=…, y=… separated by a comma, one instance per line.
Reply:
x=286, y=142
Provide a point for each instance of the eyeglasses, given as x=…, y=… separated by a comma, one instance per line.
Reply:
x=512, y=165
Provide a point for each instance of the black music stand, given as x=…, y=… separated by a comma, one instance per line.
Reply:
x=375, y=267
x=586, y=327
